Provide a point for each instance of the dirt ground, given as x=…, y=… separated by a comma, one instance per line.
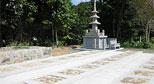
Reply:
x=137, y=49
x=64, y=50
x=67, y=50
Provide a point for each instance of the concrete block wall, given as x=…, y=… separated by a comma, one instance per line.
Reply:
x=9, y=56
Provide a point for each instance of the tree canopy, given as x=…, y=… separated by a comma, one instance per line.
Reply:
x=59, y=22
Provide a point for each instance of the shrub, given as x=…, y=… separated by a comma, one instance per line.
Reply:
x=47, y=43
x=62, y=43
x=20, y=45
x=125, y=44
x=152, y=39
x=133, y=44
x=24, y=44
x=140, y=45
x=128, y=44
x=12, y=44
x=148, y=45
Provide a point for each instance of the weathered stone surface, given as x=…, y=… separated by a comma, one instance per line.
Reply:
x=18, y=60
x=27, y=58
x=6, y=59
x=2, y=54
x=19, y=55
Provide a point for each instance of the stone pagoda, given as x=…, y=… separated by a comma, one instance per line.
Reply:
x=94, y=39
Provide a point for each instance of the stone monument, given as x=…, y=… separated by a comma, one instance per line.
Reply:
x=94, y=39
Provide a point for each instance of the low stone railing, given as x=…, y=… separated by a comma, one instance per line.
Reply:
x=9, y=55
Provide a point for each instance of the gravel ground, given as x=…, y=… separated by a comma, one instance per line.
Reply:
x=123, y=66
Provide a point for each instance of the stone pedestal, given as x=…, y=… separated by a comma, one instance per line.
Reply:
x=95, y=42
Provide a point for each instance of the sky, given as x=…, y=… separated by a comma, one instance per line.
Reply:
x=75, y=2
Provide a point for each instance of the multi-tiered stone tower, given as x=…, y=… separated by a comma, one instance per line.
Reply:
x=94, y=39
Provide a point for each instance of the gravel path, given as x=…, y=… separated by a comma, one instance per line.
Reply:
x=87, y=67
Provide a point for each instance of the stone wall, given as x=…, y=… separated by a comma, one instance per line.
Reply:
x=10, y=55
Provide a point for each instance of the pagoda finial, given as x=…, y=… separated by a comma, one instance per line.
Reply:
x=94, y=5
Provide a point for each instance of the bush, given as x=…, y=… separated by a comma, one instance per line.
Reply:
x=133, y=44
x=140, y=45
x=128, y=44
x=125, y=44
x=148, y=45
x=20, y=45
x=62, y=43
x=24, y=44
x=152, y=39
x=151, y=45
x=47, y=43
x=12, y=44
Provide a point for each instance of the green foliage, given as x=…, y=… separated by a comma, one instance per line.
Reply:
x=148, y=45
x=67, y=37
x=20, y=45
x=140, y=45
x=24, y=44
x=152, y=39
x=127, y=44
x=46, y=22
x=21, y=20
x=62, y=43
x=48, y=43
x=133, y=44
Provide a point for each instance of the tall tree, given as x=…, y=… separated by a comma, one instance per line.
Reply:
x=81, y=24
x=1, y=42
x=15, y=14
x=60, y=18
x=144, y=15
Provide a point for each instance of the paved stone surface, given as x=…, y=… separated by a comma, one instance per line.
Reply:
x=87, y=67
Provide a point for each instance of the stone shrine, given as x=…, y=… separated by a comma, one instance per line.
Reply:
x=94, y=39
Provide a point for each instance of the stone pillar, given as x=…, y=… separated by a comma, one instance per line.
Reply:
x=86, y=31
x=103, y=32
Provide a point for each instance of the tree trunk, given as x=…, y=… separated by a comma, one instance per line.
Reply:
x=19, y=35
x=114, y=28
x=118, y=29
x=146, y=34
x=149, y=34
x=53, y=36
x=56, y=35
x=1, y=41
x=119, y=16
x=140, y=39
